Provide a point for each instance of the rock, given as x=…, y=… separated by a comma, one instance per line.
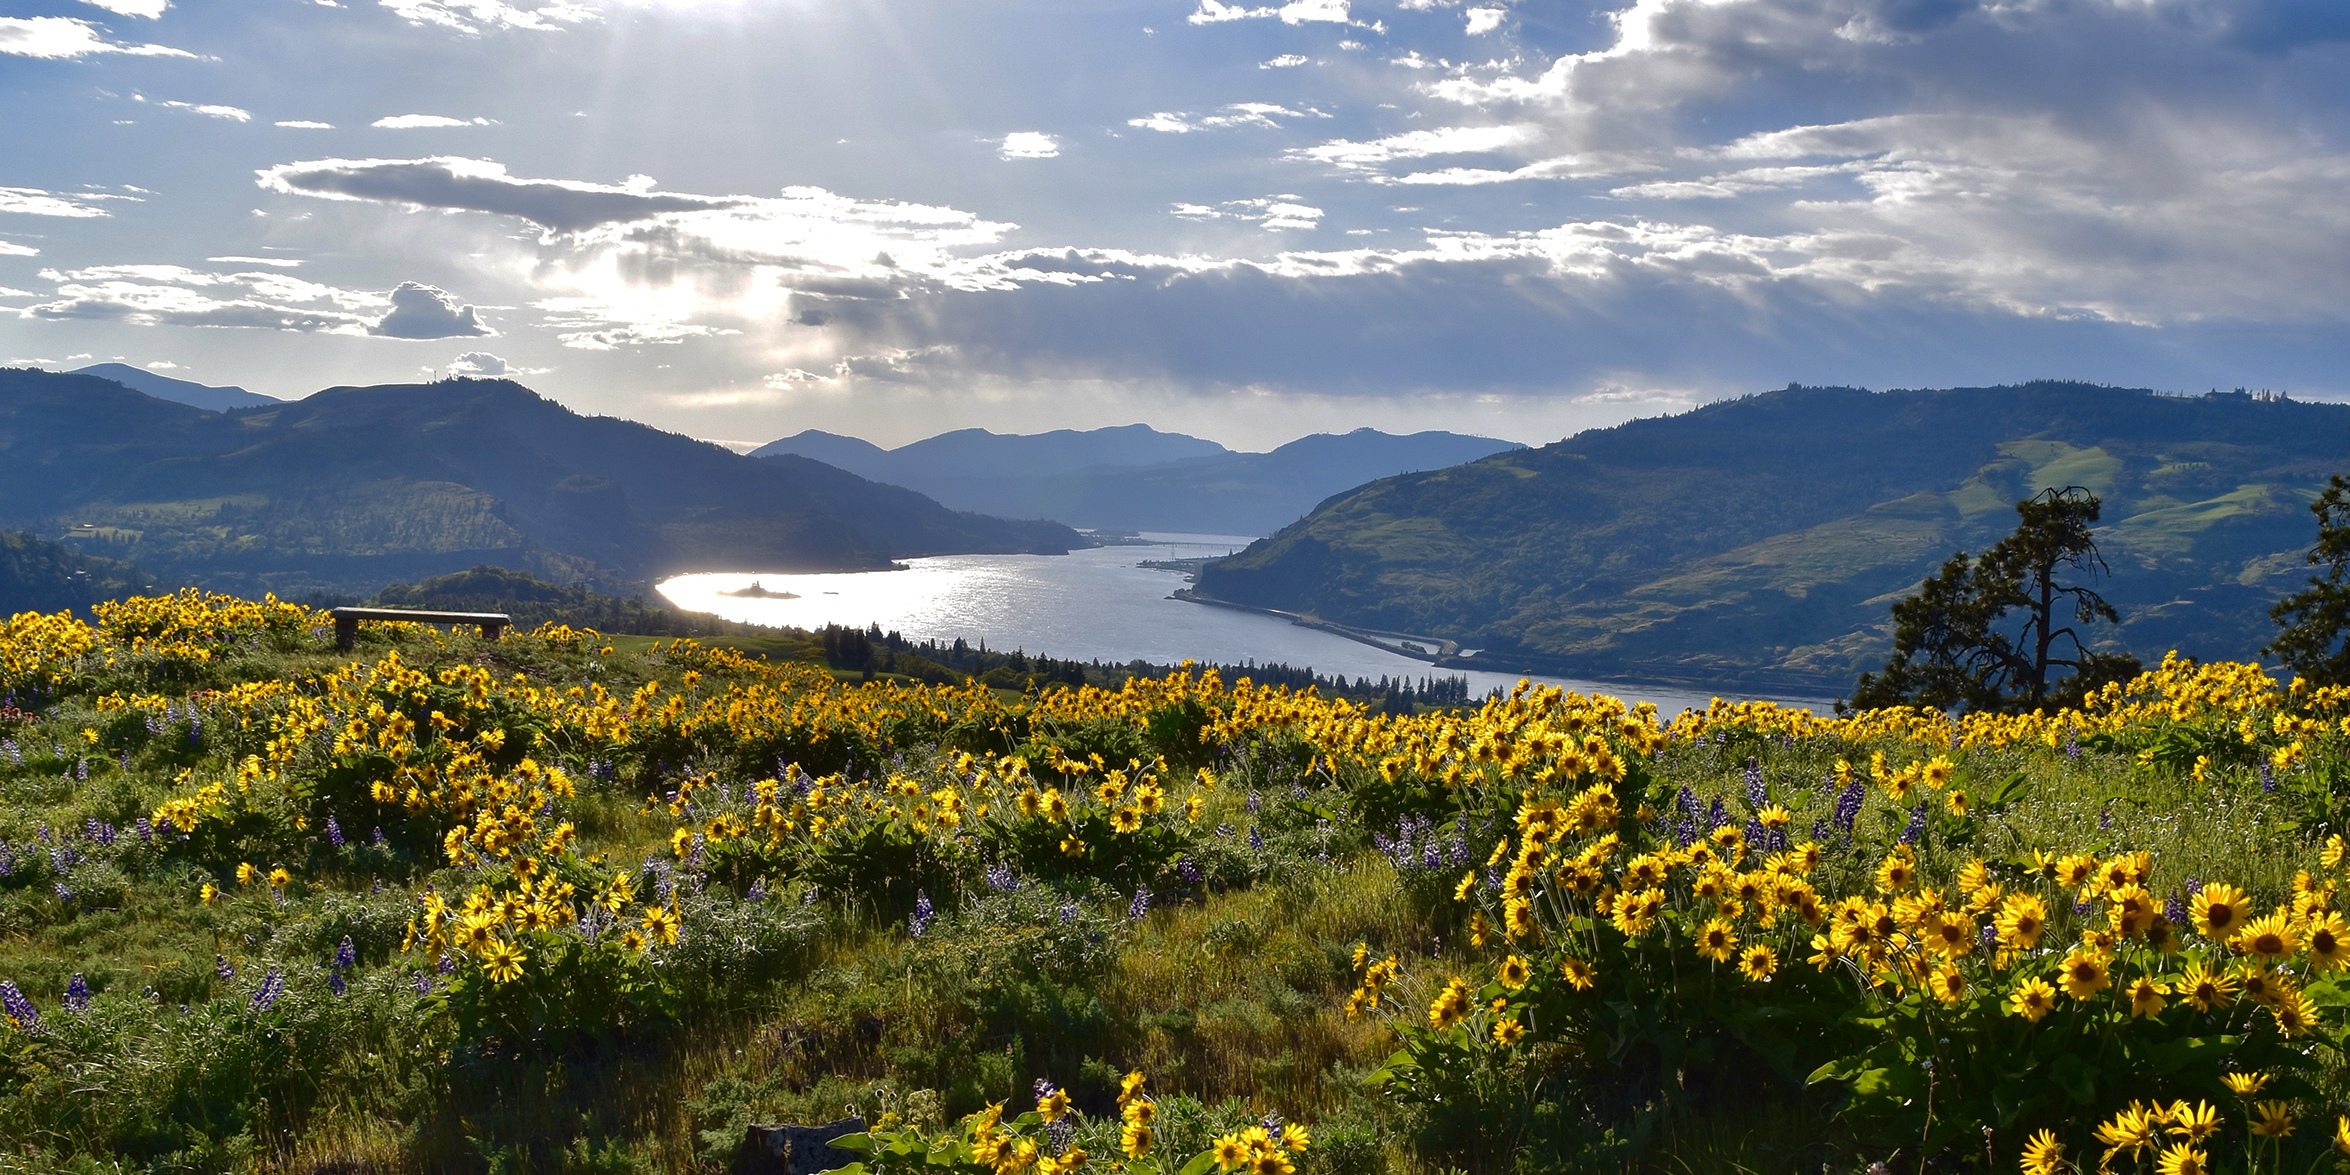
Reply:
x=794, y=1150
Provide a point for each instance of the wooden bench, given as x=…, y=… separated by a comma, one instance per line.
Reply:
x=493, y=624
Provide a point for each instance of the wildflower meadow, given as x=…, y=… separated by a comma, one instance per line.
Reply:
x=568, y=902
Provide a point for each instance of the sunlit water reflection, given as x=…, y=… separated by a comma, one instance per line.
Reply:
x=1087, y=605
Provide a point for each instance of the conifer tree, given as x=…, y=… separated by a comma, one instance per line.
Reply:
x=2316, y=620
x=1954, y=646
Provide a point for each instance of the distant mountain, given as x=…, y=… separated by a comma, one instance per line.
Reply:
x=1136, y=478
x=163, y=387
x=351, y=488
x=1760, y=541
x=978, y=453
x=531, y=601
x=41, y=576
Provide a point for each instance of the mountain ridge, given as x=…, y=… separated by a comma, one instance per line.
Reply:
x=224, y=398
x=351, y=488
x=1760, y=541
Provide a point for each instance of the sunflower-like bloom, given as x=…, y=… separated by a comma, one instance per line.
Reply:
x=2219, y=910
x=1950, y=934
x=1716, y=941
x=1896, y=873
x=2086, y=973
x=1947, y=983
x=2204, y=989
x=2075, y=871
x=1126, y=819
x=2291, y=1012
x=2342, y=1125
x=2043, y=1155
x=661, y=925
x=2244, y=1085
x=1507, y=1031
x=2145, y=995
x=1051, y=1106
x=1135, y=1139
x=2329, y=942
x=1450, y=1006
x=2023, y=918
x=1758, y=963
x=1230, y=1152
x=2131, y=1130
x=2183, y=1159
x=279, y=878
x=503, y=961
x=2268, y=937
x=2272, y=1119
x=1514, y=972
x=1578, y=974
x=2033, y=999
x=2194, y=1123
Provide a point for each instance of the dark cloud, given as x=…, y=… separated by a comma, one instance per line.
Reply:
x=426, y=312
x=476, y=185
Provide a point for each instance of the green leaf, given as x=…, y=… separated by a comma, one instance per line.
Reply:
x=2076, y=1077
x=860, y=1143
x=1199, y=1164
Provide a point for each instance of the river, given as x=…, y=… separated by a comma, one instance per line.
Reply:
x=1095, y=604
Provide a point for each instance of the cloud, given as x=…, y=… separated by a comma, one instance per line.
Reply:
x=472, y=16
x=1285, y=61
x=1452, y=140
x=1237, y=114
x=171, y=295
x=304, y=124
x=151, y=9
x=412, y=122
x=12, y=249
x=428, y=312
x=1028, y=145
x=1273, y=212
x=230, y=113
x=64, y=37
x=481, y=186
x=483, y=365
x=1294, y=12
x=35, y=202
x=1485, y=20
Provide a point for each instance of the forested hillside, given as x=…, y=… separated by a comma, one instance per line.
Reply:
x=352, y=488
x=1760, y=540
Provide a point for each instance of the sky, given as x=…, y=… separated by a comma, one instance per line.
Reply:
x=737, y=219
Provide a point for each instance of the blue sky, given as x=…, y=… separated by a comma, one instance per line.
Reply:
x=741, y=218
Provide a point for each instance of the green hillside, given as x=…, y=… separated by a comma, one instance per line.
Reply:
x=352, y=488
x=41, y=576
x=1761, y=540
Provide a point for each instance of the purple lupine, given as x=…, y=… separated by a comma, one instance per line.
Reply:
x=334, y=832
x=1685, y=834
x=346, y=954
x=1001, y=879
x=758, y=891
x=1717, y=816
x=923, y=914
x=1187, y=869
x=423, y=983
x=1685, y=801
x=1256, y=837
x=1256, y=803
x=146, y=829
x=2072, y=744
x=1756, y=794
x=1917, y=824
x=448, y=965
x=1757, y=835
x=63, y=894
x=81, y=770
x=77, y=994
x=272, y=986
x=2174, y=908
x=335, y=984
x=1141, y=904
x=17, y=1006
x=2268, y=779
x=380, y=840
x=1068, y=912
x=1819, y=830
x=222, y=968
x=1848, y=805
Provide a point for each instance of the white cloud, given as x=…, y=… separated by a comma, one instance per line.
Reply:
x=162, y=365
x=151, y=9
x=1028, y=145
x=11, y=292
x=1485, y=20
x=1285, y=61
x=1294, y=12
x=1452, y=140
x=428, y=312
x=230, y=113
x=304, y=124
x=280, y=262
x=1237, y=114
x=471, y=16
x=171, y=295
x=483, y=365
x=411, y=122
x=1273, y=212
x=12, y=249
x=59, y=37
x=35, y=202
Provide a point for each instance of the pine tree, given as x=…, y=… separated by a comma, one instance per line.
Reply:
x=2316, y=619
x=1952, y=647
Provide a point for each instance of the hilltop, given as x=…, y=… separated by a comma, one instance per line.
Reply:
x=40, y=576
x=1761, y=540
x=355, y=487
x=179, y=391
x=1135, y=477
